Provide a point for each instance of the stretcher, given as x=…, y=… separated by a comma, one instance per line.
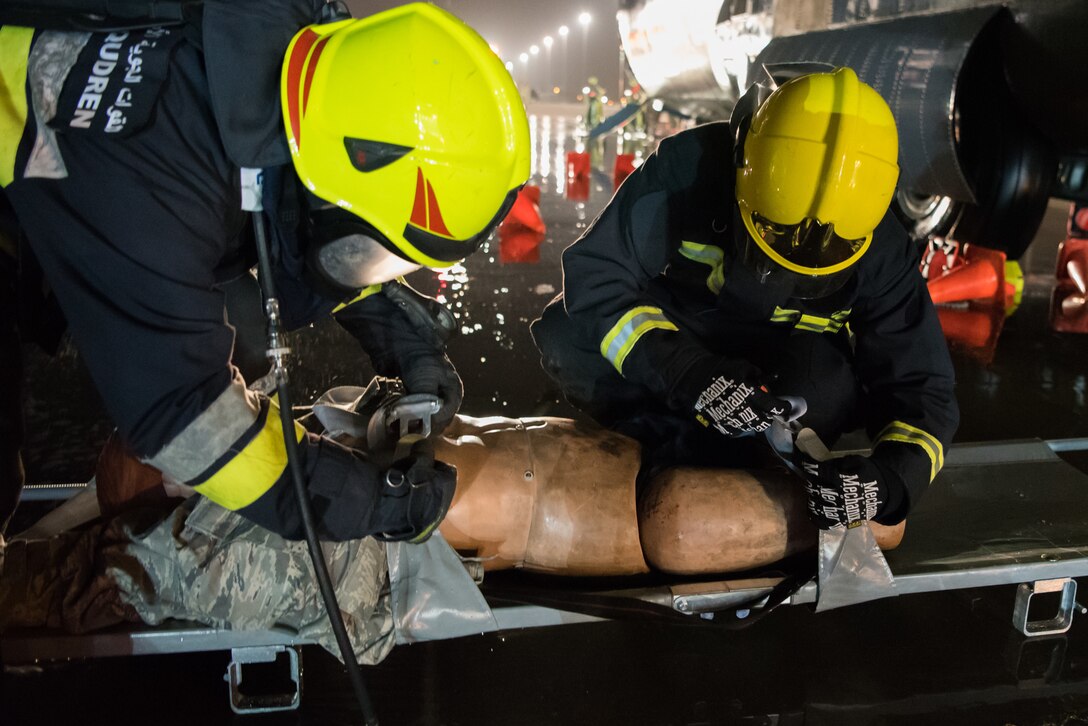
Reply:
x=1002, y=513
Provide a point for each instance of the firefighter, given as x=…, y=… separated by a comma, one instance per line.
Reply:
x=374, y=146
x=745, y=266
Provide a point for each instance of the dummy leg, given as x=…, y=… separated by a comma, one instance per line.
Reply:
x=697, y=521
x=545, y=494
x=577, y=514
x=553, y=496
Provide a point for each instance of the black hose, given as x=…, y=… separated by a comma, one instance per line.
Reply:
x=328, y=595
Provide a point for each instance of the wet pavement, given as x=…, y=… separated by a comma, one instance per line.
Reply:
x=937, y=658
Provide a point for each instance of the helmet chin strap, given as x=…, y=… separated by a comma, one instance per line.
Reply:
x=764, y=271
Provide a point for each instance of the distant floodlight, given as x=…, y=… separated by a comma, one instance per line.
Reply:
x=604, y=99
x=585, y=19
x=658, y=104
x=524, y=57
x=548, y=40
x=585, y=89
x=555, y=89
x=563, y=30
x=534, y=49
x=510, y=65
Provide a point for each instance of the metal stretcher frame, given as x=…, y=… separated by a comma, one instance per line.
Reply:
x=1000, y=513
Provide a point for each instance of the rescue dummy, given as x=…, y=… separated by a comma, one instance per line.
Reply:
x=545, y=495
x=131, y=157
x=751, y=265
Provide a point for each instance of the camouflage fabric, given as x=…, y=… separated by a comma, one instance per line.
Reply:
x=201, y=563
x=65, y=582
x=209, y=564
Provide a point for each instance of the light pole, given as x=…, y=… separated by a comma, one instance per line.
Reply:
x=564, y=82
x=548, y=41
x=534, y=50
x=584, y=19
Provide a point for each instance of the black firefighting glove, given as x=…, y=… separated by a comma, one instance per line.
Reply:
x=400, y=347
x=434, y=374
x=848, y=490
x=416, y=495
x=730, y=398
x=352, y=498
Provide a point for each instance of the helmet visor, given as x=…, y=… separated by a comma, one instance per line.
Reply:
x=809, y=247
x=800, y=285
x=357, y=260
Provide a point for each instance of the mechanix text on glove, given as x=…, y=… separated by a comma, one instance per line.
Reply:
x=842, y=492
x=736, y=407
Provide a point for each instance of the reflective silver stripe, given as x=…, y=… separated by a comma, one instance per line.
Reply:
x=635, y=323
x=907, y=434
x=707, y=255
x=211, y=434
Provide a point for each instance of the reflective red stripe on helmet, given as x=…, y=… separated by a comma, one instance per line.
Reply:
x=310, y=68
x=425, y=212
x=294, y=72
x=434, y=214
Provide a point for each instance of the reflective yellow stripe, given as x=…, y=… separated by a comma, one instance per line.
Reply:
x=14, y=50
x=811, y=323
x=253, y=470
x=907, y=434
x=363, y=294
x=628, y=329
x=784, y=315
x=707, y=255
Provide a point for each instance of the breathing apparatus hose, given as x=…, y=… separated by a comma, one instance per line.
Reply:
x=277, y=356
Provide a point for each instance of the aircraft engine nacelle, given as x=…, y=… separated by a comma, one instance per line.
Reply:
x=989, y=96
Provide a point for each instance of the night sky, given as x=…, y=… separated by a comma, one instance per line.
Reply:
x=514, y=25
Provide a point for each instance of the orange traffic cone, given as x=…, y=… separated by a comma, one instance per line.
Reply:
x=982, y=275
x=519, y=244
x=578, y=188
x=1076, y=266
x=525, y=211
x=975, y=330
x=625, y=164
x=577, y=164
x=940, y=257
x=1069, y=304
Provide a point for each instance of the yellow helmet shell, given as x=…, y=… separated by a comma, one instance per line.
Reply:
x=408, y=119
x=824, y=147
